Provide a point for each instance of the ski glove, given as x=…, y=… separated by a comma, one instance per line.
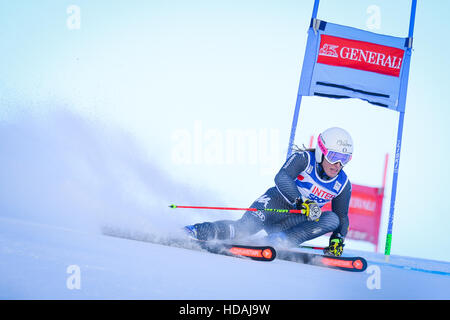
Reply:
x=312, y=209
x=336, y=245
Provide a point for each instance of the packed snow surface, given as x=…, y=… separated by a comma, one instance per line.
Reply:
x=41, y=261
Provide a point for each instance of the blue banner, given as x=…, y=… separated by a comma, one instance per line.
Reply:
x=345, y=62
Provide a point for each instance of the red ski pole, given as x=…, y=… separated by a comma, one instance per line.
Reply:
x=173, y=206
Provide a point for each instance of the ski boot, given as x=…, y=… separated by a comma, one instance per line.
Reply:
x=201, y=231
x=191, y=231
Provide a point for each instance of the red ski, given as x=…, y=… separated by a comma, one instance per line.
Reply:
x=259, y=253
x=355, y=264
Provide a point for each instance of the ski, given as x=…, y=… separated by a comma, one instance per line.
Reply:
x=258, y=253
x=355, y=264
x=255, y=252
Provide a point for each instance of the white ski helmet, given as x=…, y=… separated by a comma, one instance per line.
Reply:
x=336, y=145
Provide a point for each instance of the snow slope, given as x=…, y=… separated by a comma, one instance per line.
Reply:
x=63, y=178
x=36, y=260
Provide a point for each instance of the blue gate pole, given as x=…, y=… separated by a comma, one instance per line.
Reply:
x=387, y=250
x=299, y=97
x=402, y=101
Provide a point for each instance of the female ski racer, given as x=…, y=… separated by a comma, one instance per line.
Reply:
x=307, y=181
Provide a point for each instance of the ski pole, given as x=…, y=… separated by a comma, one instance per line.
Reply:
x=173, y=206
x=312, y=247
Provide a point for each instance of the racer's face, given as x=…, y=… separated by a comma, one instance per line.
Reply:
x=332, y=170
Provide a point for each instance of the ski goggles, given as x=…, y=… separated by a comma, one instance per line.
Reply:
x=333, y=156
